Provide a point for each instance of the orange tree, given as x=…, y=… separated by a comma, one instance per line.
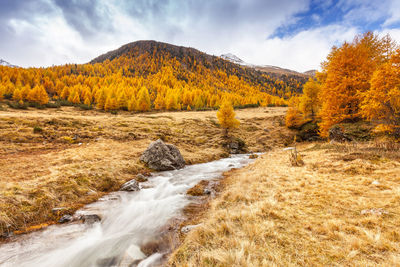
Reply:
x=347, y=73
x=382, y=101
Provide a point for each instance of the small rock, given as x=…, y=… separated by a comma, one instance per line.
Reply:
x=188, y=228
x=7, y=235
x=253, y=156
x=375, y=183
x=131, y=185
x=90, y=218
x=66, y=218
x=91, y=192
x=379, y=211
x=141, y=178
x=207, y=191
x=111, y=261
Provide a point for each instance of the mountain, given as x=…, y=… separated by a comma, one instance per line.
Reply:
x=146, y=75
x=264, y=68
x=149, y=54
x=310, y=72
x=5, y=63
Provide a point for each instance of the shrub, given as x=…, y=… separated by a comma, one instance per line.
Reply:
x=53, y=105
x=85, y=107
x=37, y=129
x=17, y=105
x=64, y=102
x=294, y=118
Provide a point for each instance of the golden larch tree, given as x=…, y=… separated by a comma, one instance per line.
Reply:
x=310, y=102
x=382, y=101
x=348, y=71
x=226, y=117
x=143, y=100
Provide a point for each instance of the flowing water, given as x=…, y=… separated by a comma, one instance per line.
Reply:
x=129, y=220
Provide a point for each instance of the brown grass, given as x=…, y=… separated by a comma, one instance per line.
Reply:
x=330, y=212
x=77, y=156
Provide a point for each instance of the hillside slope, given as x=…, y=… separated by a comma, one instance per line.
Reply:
x=148, y=75
x=191, y=57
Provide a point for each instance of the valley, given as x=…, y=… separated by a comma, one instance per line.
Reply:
x=69, y=157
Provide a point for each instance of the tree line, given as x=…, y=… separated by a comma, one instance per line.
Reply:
x=141, y=82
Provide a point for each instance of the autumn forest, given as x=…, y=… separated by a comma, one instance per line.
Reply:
x=147, y=75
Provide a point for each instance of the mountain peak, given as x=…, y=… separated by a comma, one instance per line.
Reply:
x=264, y=68
x=5, y=63
x=233, y=58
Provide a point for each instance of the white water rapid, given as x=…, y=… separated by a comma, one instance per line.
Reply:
x=129, y=220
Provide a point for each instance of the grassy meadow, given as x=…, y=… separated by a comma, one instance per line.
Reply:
x=65, y=158
x=340, y=209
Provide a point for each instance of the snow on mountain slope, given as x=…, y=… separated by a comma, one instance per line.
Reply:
x=5, y=63
x=234, y=59
x=264, y=68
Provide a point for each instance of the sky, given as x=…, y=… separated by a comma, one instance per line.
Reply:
x=294, y=34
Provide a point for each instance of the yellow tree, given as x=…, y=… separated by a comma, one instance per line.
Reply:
x=226, y=117
x=2, y=91
x=111, y=103
x=159, y=102
x=132, y=104
x=38, y=95
x=143, y=102
x=309, y=101
x=87, y=100
x=17, y=96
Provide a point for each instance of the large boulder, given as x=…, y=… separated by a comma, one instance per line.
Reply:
x=162, y=157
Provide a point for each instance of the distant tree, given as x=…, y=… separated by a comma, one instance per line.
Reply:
x=143, y=102
x=2, y=91
x=87, y=101
x=38, y=95
x=309, y=101
x=226, y=117
x=17, y=96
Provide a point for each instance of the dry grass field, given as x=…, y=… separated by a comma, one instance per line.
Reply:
x=67, y=157
x=341, y=208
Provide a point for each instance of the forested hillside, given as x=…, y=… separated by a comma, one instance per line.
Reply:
x=147, y=75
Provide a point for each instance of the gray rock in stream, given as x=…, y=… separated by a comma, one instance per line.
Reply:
x=163, y=157
x=131, y=185
x=66, y=218
x=90, y=218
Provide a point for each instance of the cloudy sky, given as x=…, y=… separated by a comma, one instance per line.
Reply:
x=295, y=34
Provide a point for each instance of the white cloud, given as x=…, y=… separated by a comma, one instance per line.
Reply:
x=301, y=52
x=240, y=27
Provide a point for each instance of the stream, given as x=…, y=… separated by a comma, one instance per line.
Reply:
x=129, y=220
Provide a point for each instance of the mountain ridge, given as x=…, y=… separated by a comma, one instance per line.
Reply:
x=265, y=68
x=6, y=63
